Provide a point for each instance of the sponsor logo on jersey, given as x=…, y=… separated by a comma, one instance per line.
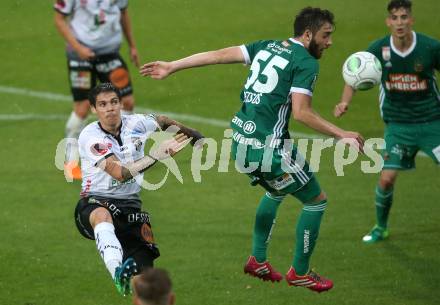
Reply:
x=281, y=182
x=60, y=4
x=278, y=49
x=237, y=121
x=78, y=63
x=80, y=79
x=386, y=53
x=108, y=66
x=418, y=67
x=147, y=233
x=241, y=139
x=98, y=149
x=137, y=142
x=406, y=83
x=251, y=97
x=249, y=127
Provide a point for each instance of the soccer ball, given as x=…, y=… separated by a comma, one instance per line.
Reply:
x=362, y=71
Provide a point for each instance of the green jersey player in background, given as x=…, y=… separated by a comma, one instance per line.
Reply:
x=281, y=79
x=409, y=101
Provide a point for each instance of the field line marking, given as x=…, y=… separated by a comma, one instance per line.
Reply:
x=67, y=98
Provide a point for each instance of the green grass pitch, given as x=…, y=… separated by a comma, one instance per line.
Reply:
x=204, y=229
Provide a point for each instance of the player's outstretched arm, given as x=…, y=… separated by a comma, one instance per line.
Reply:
x=304, y=113
x=166, y=149
x=162, y=69
x=342, y=107
x=165, y=122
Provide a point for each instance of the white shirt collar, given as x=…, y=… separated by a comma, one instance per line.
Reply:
x=296, y=41
x=407, y=52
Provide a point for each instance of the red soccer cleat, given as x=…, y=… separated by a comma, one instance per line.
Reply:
x=311, y=280
x=263, y=271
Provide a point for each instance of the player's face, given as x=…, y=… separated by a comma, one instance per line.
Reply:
x=400, y=22
x=108, y=109
x=321, y=40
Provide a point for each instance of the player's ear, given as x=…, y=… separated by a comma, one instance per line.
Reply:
x=93, y=109
x=388, y=21
x=308, y=35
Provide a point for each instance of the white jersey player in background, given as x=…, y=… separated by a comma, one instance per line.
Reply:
x=93, y=30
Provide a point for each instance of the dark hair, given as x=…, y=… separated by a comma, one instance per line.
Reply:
x=153, y=286
x=311, y=18
x=396, y=4
x=103, y=87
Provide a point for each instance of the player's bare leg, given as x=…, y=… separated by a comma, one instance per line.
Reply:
x=110, y=250
x=74, y=125
x=384, y=201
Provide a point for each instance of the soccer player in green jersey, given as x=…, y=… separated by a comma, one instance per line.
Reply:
x=281, y=79
x=409, y=102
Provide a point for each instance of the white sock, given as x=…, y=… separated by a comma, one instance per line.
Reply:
x=74, y=125
x=108, y=246
x=126, y=112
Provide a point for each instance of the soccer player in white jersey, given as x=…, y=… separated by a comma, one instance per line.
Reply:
x=93, y=31
x=112, y=164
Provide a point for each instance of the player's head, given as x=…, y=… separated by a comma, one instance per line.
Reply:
x=399, y=19
x=314, y=26
x=105, y=100
x=152, y=287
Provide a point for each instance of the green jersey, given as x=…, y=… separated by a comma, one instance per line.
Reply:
x=278, y=68
x=408, y=91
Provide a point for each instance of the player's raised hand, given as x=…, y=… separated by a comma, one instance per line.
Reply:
x=340, y=109
x=156, y=69
x=170, y=147
x=354, y=139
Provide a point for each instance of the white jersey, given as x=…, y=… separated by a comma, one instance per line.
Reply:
x=95, y=23
x=96, y=144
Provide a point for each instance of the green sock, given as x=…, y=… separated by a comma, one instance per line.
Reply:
x=384, y=200
x=264, y=222
x=307, y=231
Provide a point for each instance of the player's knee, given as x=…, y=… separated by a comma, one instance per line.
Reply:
x=321, y=197
x=128, y=103
x=387, y=182
x=99, y=215
x=81, y=108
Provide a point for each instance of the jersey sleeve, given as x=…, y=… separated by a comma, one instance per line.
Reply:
x=64, y=7
x=150, y=123
x=305, y=75
x=93, y=149
x=122, y=4
x=250, y=50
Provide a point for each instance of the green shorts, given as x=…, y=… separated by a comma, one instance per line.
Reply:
x=279, y=171
x=403, y=141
